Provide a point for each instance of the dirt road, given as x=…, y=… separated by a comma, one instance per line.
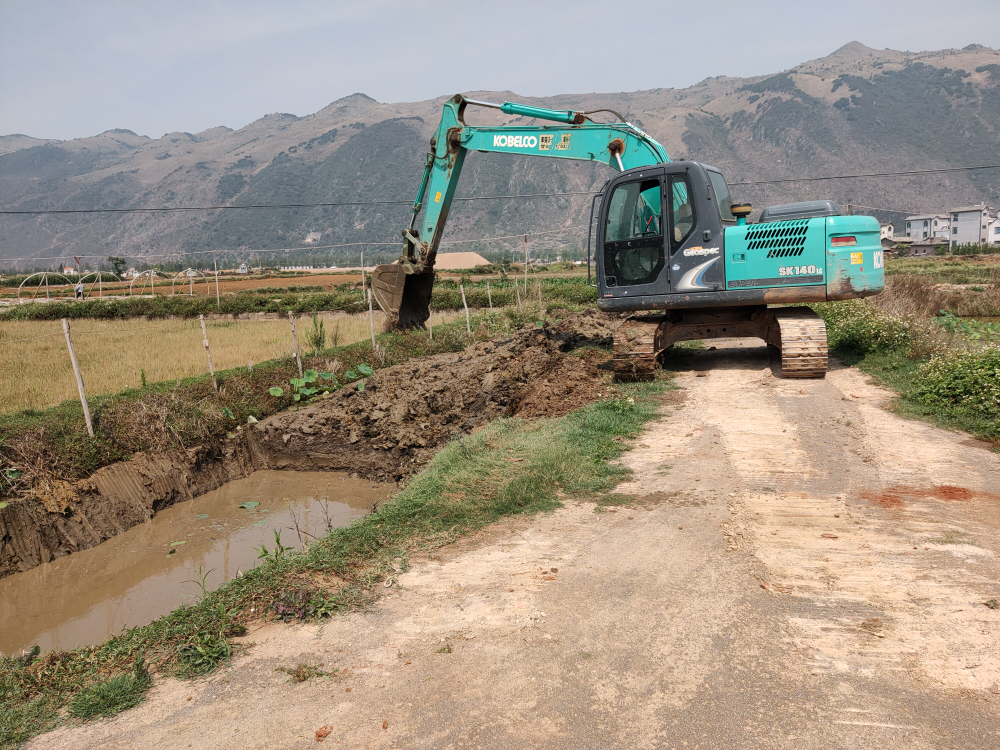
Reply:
x=802, y=570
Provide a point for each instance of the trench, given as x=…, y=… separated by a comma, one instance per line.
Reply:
x=153, y=568
x=81, y=559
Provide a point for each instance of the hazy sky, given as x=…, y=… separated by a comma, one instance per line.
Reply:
x=73, y=69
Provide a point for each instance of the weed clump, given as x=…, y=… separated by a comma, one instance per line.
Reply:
x=112, y=696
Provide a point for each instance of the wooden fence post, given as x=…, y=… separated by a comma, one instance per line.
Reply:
x=79, y=378
x=539, y=282
x=517, y=291
x=468, y=328
x=371, y=323
x=525, y=268
x=204, y=340
x=489, y=296
x=218, y=304
x=430, y=325
x=364, y=284
x=295, y=342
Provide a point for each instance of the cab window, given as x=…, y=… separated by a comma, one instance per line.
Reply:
x=682, y=218
x=722, y=197
x=635, y=211
x=633, y=238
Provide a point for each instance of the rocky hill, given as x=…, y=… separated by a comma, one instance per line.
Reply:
x=856, y=110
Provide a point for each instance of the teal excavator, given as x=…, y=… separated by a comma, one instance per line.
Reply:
x=673, y=254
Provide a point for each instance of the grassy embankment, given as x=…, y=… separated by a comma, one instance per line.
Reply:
x=945, y=368
x=468, y=485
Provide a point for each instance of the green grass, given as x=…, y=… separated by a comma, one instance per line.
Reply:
x=108, y=698
x=511, y=467
x=19, y=722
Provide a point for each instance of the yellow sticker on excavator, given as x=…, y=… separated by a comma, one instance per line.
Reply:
x=437, y=199
x=856, y=258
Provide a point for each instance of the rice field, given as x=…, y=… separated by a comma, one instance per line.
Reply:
x=36, y=373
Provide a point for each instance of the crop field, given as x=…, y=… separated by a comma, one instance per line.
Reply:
x=36, y=373
x=960, y=269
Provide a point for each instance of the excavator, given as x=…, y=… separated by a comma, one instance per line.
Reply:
x=673, y=254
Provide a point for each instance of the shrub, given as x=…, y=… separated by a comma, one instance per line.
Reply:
x=968, y=380
x=860, y=327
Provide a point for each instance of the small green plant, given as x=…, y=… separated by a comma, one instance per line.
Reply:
x=445, y=649
x=316, y=335
x=142, y=378
x=314, y=384
x=275, y=555
x=202, y=582
x=111, y=697
x=203, y=652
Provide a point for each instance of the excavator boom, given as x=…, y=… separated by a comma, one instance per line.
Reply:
x=403, y=289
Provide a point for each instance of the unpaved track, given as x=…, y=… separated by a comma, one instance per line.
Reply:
x=712, y=614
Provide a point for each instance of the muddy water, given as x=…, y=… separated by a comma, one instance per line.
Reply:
x=148, y=571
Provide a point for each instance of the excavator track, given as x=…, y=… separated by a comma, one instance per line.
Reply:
x=801, y=336
x=634, y=355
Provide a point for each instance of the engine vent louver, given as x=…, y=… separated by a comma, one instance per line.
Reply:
x=784, y=239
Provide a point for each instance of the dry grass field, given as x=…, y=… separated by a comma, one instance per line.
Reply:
x=114, y=354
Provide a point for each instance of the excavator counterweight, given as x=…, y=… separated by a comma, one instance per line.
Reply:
x=673, y=254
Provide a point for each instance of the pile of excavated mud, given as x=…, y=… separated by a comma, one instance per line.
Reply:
x=404, y=414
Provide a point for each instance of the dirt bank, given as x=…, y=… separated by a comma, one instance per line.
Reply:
x=384, y=432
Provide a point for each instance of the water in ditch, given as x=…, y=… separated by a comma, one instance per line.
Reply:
x=150, y=570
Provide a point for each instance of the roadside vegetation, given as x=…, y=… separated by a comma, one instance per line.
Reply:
x=912, y=339
x=466, y=486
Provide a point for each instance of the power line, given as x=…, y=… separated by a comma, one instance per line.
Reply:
x=907, y=173
x=169, y=209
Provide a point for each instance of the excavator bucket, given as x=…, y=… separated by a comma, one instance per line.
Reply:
x=404, y=297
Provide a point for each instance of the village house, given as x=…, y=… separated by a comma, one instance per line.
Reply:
x=993, y=232
x=969, y=225
x=923, y=227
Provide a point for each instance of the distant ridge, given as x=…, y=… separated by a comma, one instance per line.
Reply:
x=854, y=110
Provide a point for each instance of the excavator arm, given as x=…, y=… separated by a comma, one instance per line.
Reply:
x=403, y=289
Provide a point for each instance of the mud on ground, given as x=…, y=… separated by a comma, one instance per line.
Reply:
x=393, y=426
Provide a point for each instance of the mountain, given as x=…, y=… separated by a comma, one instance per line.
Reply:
x=856, y=110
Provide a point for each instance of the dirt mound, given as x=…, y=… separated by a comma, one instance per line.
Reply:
x=408, y=411
x=587, y=328
x=385, y=431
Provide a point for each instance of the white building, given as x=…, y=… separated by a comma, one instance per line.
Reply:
x=993, y=232
x=887, y=231
x=927, y=226
x=969, y=225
